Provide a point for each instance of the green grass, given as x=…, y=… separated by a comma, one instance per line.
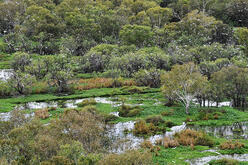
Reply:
x=5, y=60
x=179, y=154
x=7, y=104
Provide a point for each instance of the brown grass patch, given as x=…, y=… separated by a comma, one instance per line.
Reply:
x=191, y=138
x=231, y=145
x=42, y=113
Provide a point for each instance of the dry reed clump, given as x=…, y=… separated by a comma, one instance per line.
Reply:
x=167, y=142
x=191, y=138
x=148, y=145
x=229, y=145
x=142, y=128
x=86, y=84
x=42, y=113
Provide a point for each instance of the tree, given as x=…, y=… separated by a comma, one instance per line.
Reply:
x=21, y=82
x=159, y=16
x=242, y=38
x=136, y=34
x=60, y=71
x=237, y=13
x=183, y=83
x=233, y=81
x=20, y=61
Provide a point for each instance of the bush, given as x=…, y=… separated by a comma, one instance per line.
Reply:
x=109, y=117
x=169, y=124
x=156, y=120
x=40, y=87
x=145, y=129
x=129, y=111
x=132, y=157
x=190, y=137
x=229, y=145
x=210, y=114
x=224, y=161
x=42, y=113
x=145, y=58
x=133, y=89
x=168, y=113
x=5, y=89
x=148, y=145
x=86, y=102
x=168, y=143
x=149, y=78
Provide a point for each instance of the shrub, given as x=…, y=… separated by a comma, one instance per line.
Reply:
x=133, y=89
x=86, y=102
x=169, y=124
x=156, y=120
x=190, y=137
x=86, y=84
x=5, y=89
x=229, y=145
x=167, y=113
x=148, y=145
x=109, y=117
x=89, y=108
x=168, y=143
x=149, y=78
x=132, y=157
x=119, y=82
x=40, y=87
x=141, y=128
x=42, y=113
x=144, y=129
x=209, y=114
x=129, y=111
x=224, y=161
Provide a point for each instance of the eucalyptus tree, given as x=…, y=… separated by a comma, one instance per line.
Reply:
x=183, y=83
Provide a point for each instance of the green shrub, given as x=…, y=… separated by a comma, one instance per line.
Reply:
x=156, y=120
x=168, y=113
x=109, y=117
x=87, y=102
x=5, y=89
x=129, y=111
x=133, y=89
x=142, y=128
x=149, y=78
x=169, y=124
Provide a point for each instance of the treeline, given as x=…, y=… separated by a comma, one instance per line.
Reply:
x=51, y=41
x=75, y=26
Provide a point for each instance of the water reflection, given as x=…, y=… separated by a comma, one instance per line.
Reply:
x=5, y=74
x=234, y=131
x=205, y=160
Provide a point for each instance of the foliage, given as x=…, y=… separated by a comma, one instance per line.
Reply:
x=132, y=157
x=190, y=137
x=183, y=83
x=149, y=78
x=224, y=162
x=129, y=111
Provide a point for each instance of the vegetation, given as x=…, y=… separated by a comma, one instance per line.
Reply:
x=160, y=63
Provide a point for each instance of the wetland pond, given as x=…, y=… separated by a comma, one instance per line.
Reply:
x=123, y=138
